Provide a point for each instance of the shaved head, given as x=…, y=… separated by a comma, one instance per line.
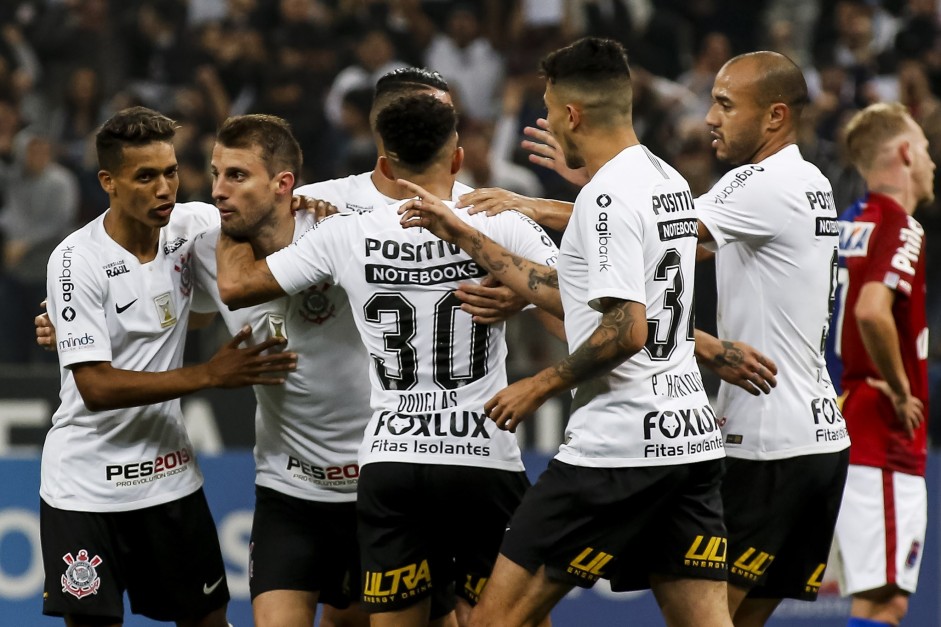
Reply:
x=775, y=78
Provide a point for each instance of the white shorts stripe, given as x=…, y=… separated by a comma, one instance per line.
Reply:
x=883, y=512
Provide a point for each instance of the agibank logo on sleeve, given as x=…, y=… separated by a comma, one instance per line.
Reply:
x=81, y=578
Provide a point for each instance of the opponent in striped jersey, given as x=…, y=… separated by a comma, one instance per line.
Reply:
x=883, y=337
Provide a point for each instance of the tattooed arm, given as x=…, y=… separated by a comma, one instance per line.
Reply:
x=621, y=333
x=535, y=282
x=737, y=363
x=243, y=280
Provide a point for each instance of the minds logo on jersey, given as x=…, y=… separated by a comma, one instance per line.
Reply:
x=71, y=342
x=738, y=181
x=65, y=274
x=854, y=238
x=115, y=268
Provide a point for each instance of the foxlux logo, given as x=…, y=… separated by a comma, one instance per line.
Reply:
x=686, y=422
x=65, y=274
x=76, y=342
x=604, y=237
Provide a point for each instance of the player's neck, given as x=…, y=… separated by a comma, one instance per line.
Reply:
x=433, y=181
x=274, y=233
x=603, y=145
x=900, y=193
x=773, y=146
x=134, y=236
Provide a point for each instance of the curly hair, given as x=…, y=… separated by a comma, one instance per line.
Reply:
x=415, y=128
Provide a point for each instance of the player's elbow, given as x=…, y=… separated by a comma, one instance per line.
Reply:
x=233, y=293
x=871, y=319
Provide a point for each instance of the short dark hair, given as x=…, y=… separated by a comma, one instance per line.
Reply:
x=415, y=128
x=402, y=82
x=594, y=71
x=410, y=78
x=279, y=149
x=134, y=126
x=777, y=79
x=588, y=59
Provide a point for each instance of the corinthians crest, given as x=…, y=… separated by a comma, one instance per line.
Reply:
x=81, y=578
x=184, y=267
x=316, y=305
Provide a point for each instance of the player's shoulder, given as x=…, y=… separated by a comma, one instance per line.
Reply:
x=193, y=217
x=85, y=242
x=344, y=193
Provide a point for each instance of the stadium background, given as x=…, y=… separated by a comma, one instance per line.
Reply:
x=66, y=65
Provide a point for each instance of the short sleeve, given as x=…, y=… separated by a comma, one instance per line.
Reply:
x=524, y=237
x=314, y=257
x=204, y=252
x=894, y=252
x=613, y=233
x=77, y=297
x=737, y=208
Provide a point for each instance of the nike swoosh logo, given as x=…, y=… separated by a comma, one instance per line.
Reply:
x=207, y=590
x=118, y=308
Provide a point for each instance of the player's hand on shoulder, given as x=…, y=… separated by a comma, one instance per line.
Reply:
x=493, y=200
x=428, y=211
x=488, y=301
x=235, y=366
x=908, y=409
x=45, y=332
x=320, y=209
x=741, y=364
x=547, y=153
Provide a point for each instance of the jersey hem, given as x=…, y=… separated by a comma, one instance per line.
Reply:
x=161, y=499
x=788, y=453
x=636, y=462
x=320, y=496
x=438, y=460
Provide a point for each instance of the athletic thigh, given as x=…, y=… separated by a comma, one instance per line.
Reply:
x=304, y=545
x=880, y=532
x=780, y=516
x=623, y=524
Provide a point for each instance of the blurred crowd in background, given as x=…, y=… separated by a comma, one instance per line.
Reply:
x=67, y=65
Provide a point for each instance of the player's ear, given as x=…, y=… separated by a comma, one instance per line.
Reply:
x=284, y=183
x=106, y=181
x=385, y=168
x=905, y=152
x=457, y=160
x=777, y=115
x=574, y=115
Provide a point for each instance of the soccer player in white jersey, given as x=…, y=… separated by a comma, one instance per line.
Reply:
x=633, y=495
x=438, y=481
x=772, y=222
x=122, y=505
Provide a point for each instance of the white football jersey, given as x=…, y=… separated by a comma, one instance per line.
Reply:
x=107, y=306
x=307, y=431
x=632, y=236
x=358, y=194
x=776, y=236
x=433, y=368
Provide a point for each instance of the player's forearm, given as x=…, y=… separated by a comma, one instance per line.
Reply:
x=104, y=387
x=242, y=280
x=880, y=338
x=715, y=353
x=535, y=282
x=621, y=333
x=554, y=214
